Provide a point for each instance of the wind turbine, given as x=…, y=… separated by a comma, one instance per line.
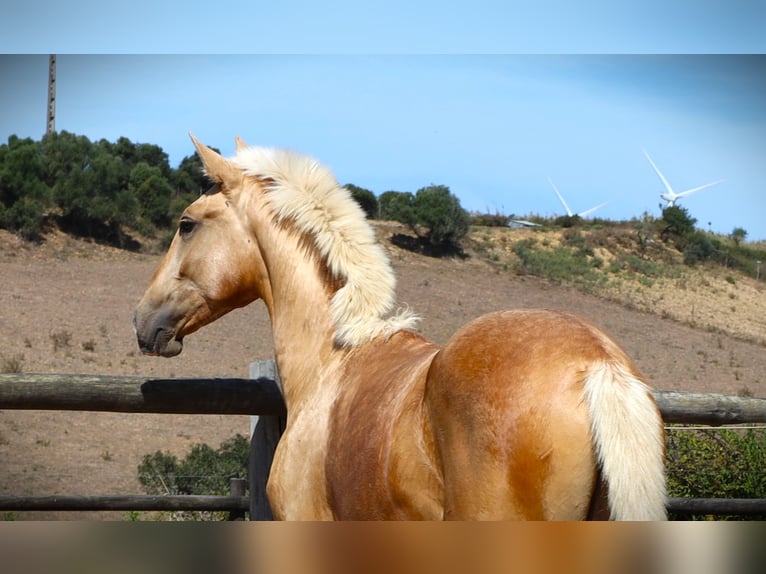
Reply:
x=671, y=196
x=582, y=214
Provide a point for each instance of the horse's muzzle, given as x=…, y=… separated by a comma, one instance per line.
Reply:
x=155, y=332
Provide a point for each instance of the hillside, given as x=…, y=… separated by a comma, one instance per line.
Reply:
x=654, y=279
x=66, y=307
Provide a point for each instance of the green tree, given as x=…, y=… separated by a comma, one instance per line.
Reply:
x=153, y=155
x=25, y=217
x=71, y=180
x=398, y=206
x=189, y=178
x=365, y=198
x=678, y=224
x=153, y=193
x=437, y=209
x=134, y=153
x=189, y=182
x=738, y=235
x=24, y=195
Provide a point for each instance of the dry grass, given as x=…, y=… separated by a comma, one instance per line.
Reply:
x=708, y=297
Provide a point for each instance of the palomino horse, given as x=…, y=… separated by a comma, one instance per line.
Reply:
x=527, y=414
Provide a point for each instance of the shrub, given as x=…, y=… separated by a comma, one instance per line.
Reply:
x=678, y=224
x=573, y=238
x=490, y=219
x=25, y=217
x=716, y=463
x=637, y=265
x=560, y=264
x=61, y=339
x=365, y=198
x=698, y=248
x=567, y=221
x=203, y=471
x=14, y=364
x=440, y=212
x=738, y=235
x=397, y=206
x=24, y=195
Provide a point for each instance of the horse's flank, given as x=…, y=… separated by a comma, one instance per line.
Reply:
x=522, y=414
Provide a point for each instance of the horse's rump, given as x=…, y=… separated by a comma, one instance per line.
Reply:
x=509, y=402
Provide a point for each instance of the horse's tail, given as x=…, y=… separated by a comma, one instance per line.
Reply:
x=629, y=441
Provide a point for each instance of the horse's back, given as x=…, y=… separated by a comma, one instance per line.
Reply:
x=506, y=399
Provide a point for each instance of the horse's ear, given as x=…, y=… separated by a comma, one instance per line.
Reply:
x=240, y=143
x=216, y=166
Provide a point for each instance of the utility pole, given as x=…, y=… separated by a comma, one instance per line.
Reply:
x=51, y=116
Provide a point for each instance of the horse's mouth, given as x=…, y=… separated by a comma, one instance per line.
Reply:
x=159, y=341
x=165, y=344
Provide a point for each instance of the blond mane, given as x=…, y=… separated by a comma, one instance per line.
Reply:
x=307, y=194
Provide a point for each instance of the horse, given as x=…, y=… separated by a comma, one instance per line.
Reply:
x=521, y=415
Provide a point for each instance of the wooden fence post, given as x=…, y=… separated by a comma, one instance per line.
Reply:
x=265, y=432
x=237, y=487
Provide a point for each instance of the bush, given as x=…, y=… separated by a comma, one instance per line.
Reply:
x=567, y=221
x=560, y=264
x=698, y=248
x=24, y=196
x=92, y=189
x=397, y=206
x=25, y=217
x=490, y=219
x=716, y=463
x=678, y=224
x=738, y=235
x=153, y=193
x=204, y=471
x=365, y=198
x=440, y=212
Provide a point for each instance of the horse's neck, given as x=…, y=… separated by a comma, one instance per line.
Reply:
x=301, y=320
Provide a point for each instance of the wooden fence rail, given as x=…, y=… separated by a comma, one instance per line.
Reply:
x=236, y=503
x=261, y=397
x=127, y=394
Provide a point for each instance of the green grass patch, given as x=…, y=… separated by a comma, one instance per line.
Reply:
x=560, y=264
x=716, y=463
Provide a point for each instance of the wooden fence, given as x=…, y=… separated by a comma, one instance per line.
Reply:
x=261, y=397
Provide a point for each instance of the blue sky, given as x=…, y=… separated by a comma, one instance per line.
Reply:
x=364, y=90
x=384, y=26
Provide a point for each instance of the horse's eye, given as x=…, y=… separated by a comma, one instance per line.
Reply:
x=186, y=225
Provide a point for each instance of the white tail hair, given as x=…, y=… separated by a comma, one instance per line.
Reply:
x=629, y=438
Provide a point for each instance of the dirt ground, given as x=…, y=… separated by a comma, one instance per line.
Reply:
x=65, y=307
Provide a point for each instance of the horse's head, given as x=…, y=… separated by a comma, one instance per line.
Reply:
x=211, y=267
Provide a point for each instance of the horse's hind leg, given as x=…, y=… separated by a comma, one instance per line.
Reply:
x=514, y=469
x=481, y=482
x=513, y=444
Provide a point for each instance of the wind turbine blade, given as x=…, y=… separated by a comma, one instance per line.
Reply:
x=659, y=173
x=561, y=199
x=592, y=209
x=690, y=191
